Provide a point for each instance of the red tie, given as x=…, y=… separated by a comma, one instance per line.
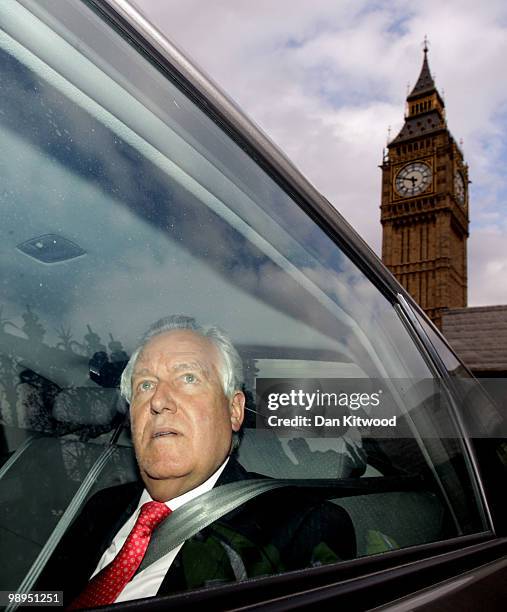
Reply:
x=105, y=586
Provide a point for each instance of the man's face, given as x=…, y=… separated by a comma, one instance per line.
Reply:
x=182, y=422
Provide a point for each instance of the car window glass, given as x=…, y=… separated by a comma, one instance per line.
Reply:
x=481, y=404
x=481, y=398
x=122, y=203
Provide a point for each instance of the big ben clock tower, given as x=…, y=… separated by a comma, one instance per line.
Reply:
x=424, y=209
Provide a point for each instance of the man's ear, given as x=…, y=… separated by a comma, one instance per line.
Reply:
x=237, y=410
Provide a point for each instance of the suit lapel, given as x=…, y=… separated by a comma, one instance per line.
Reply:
x=109, y=514
x=133, y=495
x=82, y=546
x=176, y=578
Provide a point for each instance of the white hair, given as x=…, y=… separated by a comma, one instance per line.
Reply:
x=231, y=371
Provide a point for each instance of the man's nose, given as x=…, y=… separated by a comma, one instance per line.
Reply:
x=162, y=399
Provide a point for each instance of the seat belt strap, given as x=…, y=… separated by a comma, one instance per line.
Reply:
x=185, y=522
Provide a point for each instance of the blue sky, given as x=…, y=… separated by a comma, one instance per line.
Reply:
x=326, y=78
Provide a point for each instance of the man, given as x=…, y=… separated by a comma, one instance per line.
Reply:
x=186, y=409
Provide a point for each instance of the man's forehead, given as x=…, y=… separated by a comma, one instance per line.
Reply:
x=180, y=348
x=142, y=367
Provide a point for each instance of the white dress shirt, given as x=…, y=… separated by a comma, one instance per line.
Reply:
x=147, y=582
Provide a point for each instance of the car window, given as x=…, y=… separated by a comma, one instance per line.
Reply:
x=123, y=202
x=481, y=406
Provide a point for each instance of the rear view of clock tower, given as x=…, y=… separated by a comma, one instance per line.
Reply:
x=424, y=209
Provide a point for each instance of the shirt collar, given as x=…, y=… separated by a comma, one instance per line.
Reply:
x=176, y=502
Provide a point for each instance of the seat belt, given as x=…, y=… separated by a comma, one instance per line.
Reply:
x=186, y=521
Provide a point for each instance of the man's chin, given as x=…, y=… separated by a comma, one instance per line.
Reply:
x=161, y=473
x=164, y=486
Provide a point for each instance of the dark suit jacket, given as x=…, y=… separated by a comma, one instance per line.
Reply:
x=281, y=530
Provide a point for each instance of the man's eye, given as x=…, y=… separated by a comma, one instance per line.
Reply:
x=145, y=385
x=190, y=378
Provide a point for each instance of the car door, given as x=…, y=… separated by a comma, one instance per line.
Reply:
x=133, y=189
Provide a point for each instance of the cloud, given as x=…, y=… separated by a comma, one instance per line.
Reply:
x=325, y=80
x=488, y=264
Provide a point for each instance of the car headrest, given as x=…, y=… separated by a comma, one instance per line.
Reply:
x=87, y=406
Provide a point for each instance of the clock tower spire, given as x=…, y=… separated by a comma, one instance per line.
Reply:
x=424, y=205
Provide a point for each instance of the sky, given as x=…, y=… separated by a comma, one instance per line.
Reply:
x=326, y=79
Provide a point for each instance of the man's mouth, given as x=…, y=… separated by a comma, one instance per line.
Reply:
x=165, y=432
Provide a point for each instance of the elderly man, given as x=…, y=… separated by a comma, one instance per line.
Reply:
x=184, y=386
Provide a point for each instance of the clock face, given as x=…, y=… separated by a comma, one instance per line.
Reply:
x=413, y=179
x=459, y=187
